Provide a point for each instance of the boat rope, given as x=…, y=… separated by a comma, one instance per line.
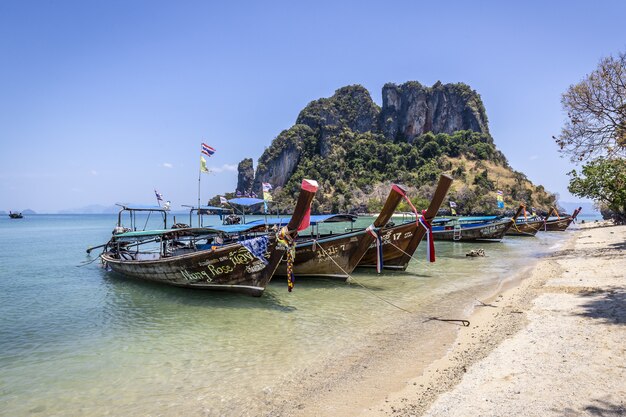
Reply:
x=353, y=279
x=285, y=240
x=445, y=277
x=464, y=323
x=84, y=263
x=356, y=281
x=520, y=231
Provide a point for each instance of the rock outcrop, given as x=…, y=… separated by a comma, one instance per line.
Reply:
x=279, y=161
x=410, y=110
x=245, y=177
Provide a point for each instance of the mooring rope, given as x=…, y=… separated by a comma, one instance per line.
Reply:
x=525, y=233
x=87, y=262
x=460, y=289
x=465, y=323
x=351, y=278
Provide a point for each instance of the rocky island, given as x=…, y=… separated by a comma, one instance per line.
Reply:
x=355, y=148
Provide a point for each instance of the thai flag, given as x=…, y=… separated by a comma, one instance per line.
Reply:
x=207, y=150
x=159, y=196
x=266, y=186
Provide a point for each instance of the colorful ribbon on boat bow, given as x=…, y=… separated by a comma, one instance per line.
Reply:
x=379, y=247
x=290, y=244
x=430, y=242
x=430, y=248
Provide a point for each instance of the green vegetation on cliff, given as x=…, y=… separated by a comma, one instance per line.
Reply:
x=355, y=149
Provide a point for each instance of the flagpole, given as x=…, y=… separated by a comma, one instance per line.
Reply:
x=199, y=177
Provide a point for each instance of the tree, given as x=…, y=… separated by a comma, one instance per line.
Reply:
x=596, y=111
x=603, y=180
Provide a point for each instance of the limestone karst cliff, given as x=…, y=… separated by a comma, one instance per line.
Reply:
x=353, y=147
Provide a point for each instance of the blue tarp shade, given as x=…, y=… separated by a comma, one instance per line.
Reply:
x=229, y=229
x=477, y=218
x=235, y=228
x=211, y=208
x=245, y=201
x=318, y=218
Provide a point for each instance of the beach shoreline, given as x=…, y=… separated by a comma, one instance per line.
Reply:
x=586, y=268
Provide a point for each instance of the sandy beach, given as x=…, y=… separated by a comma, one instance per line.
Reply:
x=551, y=344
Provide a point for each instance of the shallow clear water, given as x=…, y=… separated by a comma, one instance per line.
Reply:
x=76, y=340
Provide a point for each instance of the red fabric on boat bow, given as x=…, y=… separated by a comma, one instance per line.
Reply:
x=311, y=186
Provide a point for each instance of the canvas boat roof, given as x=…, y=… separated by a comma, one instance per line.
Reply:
x=211, y=208
x=196, y=231
x=315, y=219
x=245, y=201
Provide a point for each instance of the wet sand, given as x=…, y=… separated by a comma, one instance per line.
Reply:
x=552, y=345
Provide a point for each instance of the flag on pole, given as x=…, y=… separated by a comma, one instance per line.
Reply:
x=266, y=191
x=159, y=196
x=223, y=200
x=500, y=199
x=207, y=150
x=453, y=208
x=203, y=167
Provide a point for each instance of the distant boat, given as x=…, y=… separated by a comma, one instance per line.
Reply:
x=528, y=226
x=560, y=223
x=525, y=227
x=15, y=215
x=464, y=229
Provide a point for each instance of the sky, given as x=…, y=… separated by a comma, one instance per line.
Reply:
x=103, y=102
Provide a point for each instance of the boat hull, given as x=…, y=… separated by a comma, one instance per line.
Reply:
x=328, y=257
x=489, y=231
x=231, y=268
x=558, y=225
x=529, y=228
x=398, y=248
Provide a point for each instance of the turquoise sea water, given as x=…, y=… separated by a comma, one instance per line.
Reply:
x=77, y=340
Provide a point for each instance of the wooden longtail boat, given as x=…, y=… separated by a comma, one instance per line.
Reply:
x=560, y=223
x=400, y=242
x=466, y=229
x=525, y=226
x=336, y=255
x=232, y=267
x=15, y=215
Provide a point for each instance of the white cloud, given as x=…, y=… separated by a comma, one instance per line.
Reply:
x=93, y=172
x=167, y=165
x=224, y=168
x=533, y=157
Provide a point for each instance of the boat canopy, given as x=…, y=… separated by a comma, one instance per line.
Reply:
x=245, y=201
x=315, y=219
x=209, y=208
x=477, y=218
x=142, y=207
x=188, y=231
